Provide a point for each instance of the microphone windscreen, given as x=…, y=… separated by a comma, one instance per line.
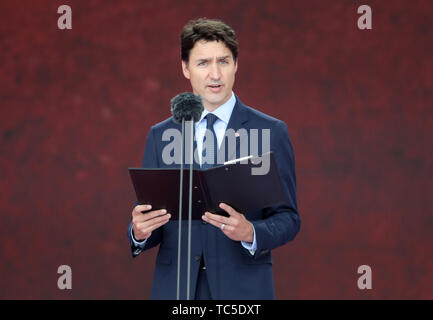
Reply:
x=186, y=106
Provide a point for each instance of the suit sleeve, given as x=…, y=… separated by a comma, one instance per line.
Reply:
x=150, y=160
x=281, y=223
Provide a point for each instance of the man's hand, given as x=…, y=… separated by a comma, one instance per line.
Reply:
x=236, y=227
x=144, y=223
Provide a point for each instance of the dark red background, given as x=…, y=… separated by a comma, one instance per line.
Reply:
x=76, y=106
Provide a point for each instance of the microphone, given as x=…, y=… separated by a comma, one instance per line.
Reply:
x=185, y=107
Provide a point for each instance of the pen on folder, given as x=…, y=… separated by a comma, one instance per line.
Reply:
x=246, y=158
x=237, y=160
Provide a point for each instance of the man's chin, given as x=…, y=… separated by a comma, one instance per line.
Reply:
x=215, y=101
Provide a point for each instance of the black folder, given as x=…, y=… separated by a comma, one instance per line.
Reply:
x=233, y=184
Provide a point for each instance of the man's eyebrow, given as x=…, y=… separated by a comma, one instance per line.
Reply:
x=223, y=58
x=203, y=60
x=209, y=59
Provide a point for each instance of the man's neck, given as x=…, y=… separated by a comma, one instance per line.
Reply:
x=212, y=108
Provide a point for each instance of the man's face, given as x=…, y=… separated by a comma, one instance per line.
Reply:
x=211, y=71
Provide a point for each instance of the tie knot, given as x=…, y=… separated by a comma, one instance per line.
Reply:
x=211, y=118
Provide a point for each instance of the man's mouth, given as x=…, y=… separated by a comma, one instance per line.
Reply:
x=215, y=87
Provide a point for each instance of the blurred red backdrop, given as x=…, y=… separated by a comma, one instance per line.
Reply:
x=76, y=106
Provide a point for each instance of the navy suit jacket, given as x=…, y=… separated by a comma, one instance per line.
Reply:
x=232, y=271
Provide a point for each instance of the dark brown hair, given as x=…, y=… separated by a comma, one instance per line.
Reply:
x=208, y=30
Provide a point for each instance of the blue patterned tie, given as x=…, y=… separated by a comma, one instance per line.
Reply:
x=211, y=118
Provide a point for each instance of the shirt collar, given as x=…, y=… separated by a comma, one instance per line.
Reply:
x=224, y=111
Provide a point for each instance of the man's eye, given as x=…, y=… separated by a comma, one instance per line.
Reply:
x=202, y=63
x=223, y=62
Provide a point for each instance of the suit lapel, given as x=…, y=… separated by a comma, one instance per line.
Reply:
x=237, y=121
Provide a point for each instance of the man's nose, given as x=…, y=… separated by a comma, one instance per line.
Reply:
x=215, y=72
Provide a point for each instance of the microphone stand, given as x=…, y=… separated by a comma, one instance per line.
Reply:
x=191, y=131
x=188, y=107
x=179, y=241
x=190, y=207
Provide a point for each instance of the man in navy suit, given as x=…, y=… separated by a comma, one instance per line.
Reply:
x=230, y=256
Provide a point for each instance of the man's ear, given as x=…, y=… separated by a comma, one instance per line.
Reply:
x=236, y=66
x=185, y=70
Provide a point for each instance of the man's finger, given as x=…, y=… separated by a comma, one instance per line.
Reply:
x=150, y=222
x=148, y=216
x=151, y=225
x=212, y=222
x=228, y=209
x=142, y=207
x=154, y=214
x=217, y=217
x=227, y=228
x=155, y=226
x=157, y=220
